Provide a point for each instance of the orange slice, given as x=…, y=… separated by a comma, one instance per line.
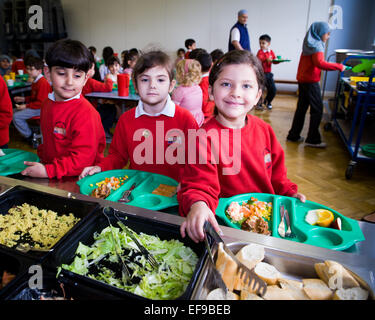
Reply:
x=325, y=218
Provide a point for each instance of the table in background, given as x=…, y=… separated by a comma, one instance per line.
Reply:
x=127, y=102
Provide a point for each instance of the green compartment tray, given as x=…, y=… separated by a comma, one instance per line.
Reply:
x=12, y=162
x=281, y=60
x=305, y=233
x=142, y=195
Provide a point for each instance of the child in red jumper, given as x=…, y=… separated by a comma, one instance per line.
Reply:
x=6, y=112
x=73, y=136
x=29, y=107
x=257, y=165
x=150, y=135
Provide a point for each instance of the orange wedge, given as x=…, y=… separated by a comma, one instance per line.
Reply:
x=325, y=218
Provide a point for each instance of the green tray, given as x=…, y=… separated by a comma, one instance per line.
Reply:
x=281, y=60
x=305, y=233
x=141, y=195
x=12, y=162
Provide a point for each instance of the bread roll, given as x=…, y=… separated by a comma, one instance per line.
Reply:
x=267, y=272
x=288, y=283
x=250, y=255
x=343, y=278
x=246, y=295
x=276, y=293
x=218, y=294
x=316, y=289
x=227, y=267
x=356, y=293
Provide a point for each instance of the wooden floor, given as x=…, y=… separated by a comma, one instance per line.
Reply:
x=319, y=173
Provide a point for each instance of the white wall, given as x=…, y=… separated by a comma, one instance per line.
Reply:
x=124, y=24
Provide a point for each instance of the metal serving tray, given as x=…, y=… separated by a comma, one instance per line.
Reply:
x=291, y=266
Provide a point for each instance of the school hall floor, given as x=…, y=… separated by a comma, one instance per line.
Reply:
x=319, y=173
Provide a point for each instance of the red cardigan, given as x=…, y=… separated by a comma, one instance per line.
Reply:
x=93, y=85
x=259, y=166
x=135, y=137
x=263, y=56
x=310, y=67
x=39, y=93
x=6, y=112
x=208, y=105
x=73, y=137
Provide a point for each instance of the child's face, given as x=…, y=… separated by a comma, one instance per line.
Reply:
x=66, y=82
x=181, y=54
x=132, y=63
x=193, y=46
x=326, y=36
x=153, y=87
x=33, y=73
x=264, y=44
x=114, y=68
x=5, y=64
x=235, y=92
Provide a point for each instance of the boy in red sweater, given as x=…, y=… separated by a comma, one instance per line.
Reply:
x=152, y=135
x=29, y=107
x=266, y=56
x=257, y=164
x=6, y=112
x=73, y=136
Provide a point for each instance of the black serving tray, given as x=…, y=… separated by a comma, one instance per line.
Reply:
x=19, y=195
x=66, y=252
x=73, y=289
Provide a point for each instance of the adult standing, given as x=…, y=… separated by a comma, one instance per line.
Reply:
x=308, y=76
x=239, y=36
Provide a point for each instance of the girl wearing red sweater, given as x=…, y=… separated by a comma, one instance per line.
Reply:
x=145, y=135
x=236, y=83
x=6, y=113
x=309, y=70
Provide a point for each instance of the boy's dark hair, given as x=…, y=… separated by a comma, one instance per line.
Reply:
x=92, y=49
x=152, y=59
x=107, y=52
x=189, y=42
x=35, y=62
x=237, y=57
x=70, y=54
x=130, y=56
x=134, y=51
x=196, y=52
x=180, y=50
x=205, y=60
x=112, y=60
x=265, y=37
x=216, y=55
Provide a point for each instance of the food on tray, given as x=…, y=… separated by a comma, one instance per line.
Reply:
x=99, y=261
x=39, y=228
x=104, y=187
x=165, y=190
x=333, y=281
x=6, y=278
x=252, y=215
x=320, y=217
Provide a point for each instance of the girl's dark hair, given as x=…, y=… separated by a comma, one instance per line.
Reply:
x=107, y=52
x=152, y=59
x=111, y=61
x=129, y=55
x=70, y=54
x=35, y=62
x=237, y=57
x=216, y=54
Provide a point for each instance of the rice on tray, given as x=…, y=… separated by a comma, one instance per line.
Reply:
x=27, y=223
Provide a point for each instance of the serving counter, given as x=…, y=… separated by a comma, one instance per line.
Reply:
x=360, y=258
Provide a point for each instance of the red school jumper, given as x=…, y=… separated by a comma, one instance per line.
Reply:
x=39, y=93
x=262, y=167
x=73, y=137
x=208, y=105
x=6, y=112
x=263, y=56
x=131, y=132
x=93, y=85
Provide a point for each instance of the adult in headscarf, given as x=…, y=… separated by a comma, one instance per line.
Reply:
x=5, y=65
x=239, y=36
x=308, y=76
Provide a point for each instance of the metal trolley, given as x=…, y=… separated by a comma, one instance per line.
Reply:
x=364, y=108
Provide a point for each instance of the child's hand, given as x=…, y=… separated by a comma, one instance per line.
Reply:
x=89, y=171
x=269, y=59
x=19, y=99
x=35, y=169
x=20, y=106
x=198, y=214
x=299, y=196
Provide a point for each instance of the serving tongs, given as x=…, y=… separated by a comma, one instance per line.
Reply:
x=25, y=247
x=124, y=269
x=149, y=257
x=248, y=276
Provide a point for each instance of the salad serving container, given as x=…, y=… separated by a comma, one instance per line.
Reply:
x=142, y=195
x=165, y=231
x=61, y=205
x=325, y=237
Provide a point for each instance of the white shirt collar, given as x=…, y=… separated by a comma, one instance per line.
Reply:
x=205, y=75
x=168, y=110
x=37, y=78
x=267, y=50
x=51, y=96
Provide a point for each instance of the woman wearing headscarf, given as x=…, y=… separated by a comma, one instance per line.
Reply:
x=308, y=76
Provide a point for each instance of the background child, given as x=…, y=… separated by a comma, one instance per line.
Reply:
x=6, y=113
x=135, y=137
x=18, y=63
x=308, y=75
x=266, y=55
x=180, y=55
x=5, y=67
x=113, y=64
x=106, y=54
x=216, y=55
x=40, y=89
x=73, y=136
x=189, y=94
x=236, y=84
x=190, y=45
x=130, y=59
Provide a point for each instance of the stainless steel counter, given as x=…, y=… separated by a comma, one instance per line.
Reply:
x=360, y=259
